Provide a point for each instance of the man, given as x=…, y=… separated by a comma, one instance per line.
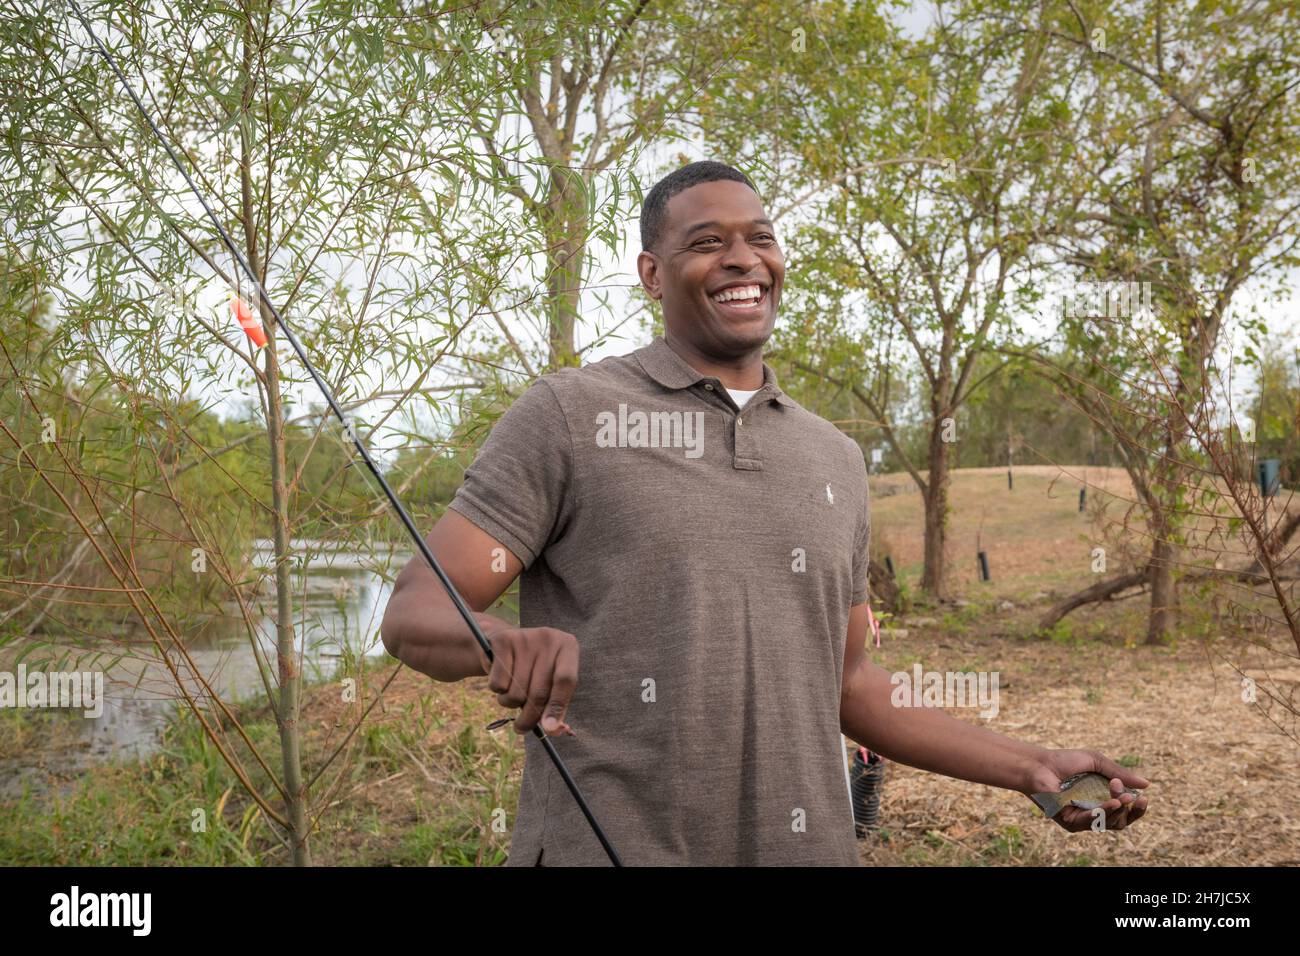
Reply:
x=699, y=541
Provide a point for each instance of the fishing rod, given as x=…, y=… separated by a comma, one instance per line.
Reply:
x=409, y=524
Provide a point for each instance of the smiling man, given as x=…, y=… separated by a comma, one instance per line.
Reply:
x=693, y=602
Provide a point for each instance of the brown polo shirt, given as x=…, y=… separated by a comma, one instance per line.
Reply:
x=706, y=559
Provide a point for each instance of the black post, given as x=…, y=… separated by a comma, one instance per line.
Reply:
x=866, y=781
x=1269, y=476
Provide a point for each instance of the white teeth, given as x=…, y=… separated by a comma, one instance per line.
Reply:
x=752, y=292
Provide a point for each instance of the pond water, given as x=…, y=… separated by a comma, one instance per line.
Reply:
x=339, y=600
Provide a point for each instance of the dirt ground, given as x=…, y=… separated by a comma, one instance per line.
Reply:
x=1219, y=768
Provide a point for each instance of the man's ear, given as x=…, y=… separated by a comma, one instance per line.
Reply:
x=647, y=267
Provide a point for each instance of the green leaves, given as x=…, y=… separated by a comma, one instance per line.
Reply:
x=368, y=44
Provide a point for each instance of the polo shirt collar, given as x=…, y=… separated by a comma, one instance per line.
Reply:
x=670, y=370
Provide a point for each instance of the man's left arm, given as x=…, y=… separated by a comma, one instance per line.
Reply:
x=930, y=739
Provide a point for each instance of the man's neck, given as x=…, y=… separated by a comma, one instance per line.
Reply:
x=743, y=374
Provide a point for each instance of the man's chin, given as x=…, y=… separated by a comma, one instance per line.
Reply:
x=741, y=337
x=721, y=337
x=740, y=333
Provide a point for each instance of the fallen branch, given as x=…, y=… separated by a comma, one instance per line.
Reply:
x=1097, y=593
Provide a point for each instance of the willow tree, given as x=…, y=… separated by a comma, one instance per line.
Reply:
x=329, y=141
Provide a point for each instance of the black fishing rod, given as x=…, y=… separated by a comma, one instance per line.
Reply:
x=351, y=432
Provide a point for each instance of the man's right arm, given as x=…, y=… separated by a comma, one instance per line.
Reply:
x=535, y=668
x=421, y=626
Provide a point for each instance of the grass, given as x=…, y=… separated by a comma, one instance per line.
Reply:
x=143, y=814
x=413, y=790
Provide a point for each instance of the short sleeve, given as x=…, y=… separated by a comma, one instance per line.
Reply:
x=862, y=542
x=518, y=488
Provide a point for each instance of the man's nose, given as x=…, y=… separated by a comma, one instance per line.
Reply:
x=739, y=255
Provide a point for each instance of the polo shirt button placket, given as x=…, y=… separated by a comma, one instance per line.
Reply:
x=747, y=455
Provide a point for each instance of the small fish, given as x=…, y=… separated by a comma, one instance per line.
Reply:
x=1084, y=790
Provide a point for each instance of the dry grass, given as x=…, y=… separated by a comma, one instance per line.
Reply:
x=1035, y=536
x=1219, y=769
x=423, y=768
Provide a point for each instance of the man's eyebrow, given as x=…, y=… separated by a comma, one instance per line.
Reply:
x=714, y=223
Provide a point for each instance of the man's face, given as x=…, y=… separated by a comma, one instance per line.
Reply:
x=718, y=239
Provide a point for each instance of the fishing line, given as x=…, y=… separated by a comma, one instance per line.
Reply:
x=350, y=430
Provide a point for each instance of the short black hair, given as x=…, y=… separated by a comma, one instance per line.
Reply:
x=654, y=210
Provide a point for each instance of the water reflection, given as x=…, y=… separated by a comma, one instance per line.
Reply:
x=339, y=600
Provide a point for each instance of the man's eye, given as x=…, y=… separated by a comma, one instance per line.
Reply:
x=763, y=237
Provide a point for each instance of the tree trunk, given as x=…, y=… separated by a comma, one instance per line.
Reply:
x=884, y=589
x=564, y=287
x=1164, y=590
x=1163, y=522
x=933, y=578
x=286, y=655
x=295, y=785
x=1277, y=539
x=566, y=231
